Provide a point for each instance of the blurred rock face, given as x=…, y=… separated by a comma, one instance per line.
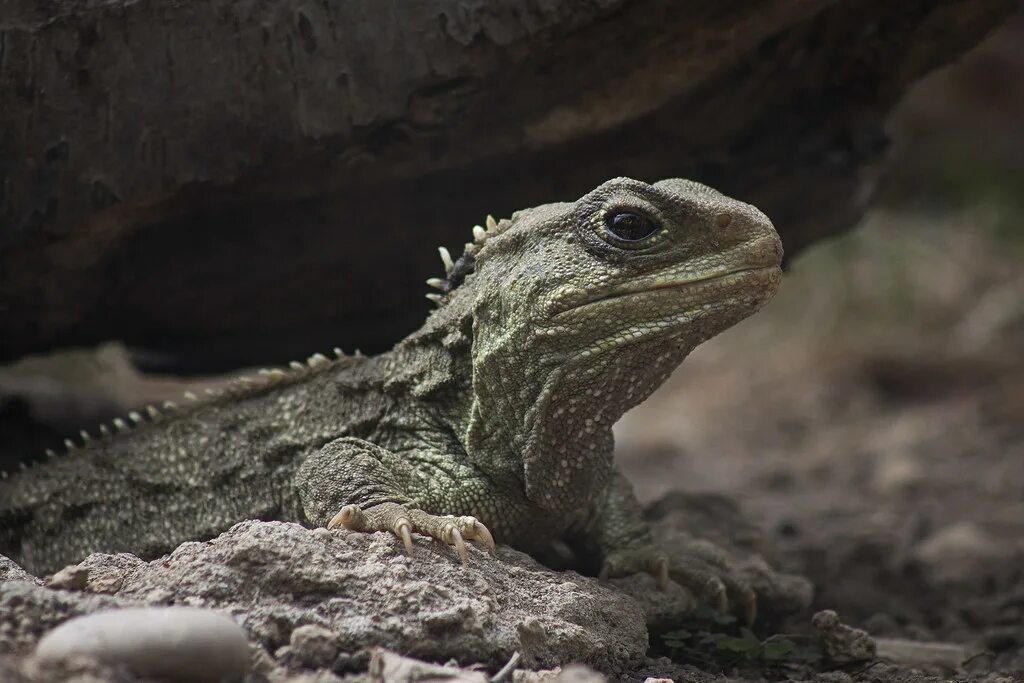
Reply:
x=228, y=183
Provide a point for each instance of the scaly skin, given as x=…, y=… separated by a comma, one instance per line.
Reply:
x=494, y=417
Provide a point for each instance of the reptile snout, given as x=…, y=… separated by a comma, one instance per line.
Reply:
x=762, y=234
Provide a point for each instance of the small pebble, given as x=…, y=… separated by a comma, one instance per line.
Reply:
x=842, y=643
x=73, y=577
x=174, y=643
x=315, y=646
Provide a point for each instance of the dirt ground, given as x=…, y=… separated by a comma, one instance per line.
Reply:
x=871, y=418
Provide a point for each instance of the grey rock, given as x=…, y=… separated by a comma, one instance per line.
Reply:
x=174, y=643
x=490, y=98
x=107, y=572
x=363, y=588
x=318, y=676
x=11, y=571
x=306, y=595
x=840, y=642
x=314, y=646
x=73, y=577
x=28, y=610
x=389, y=667
x=965, y=552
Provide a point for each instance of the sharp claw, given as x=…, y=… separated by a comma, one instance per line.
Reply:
x=402, y=528
x=455, y=538
x=483, y=534
x=747, y=599
x=346, y=517
x=718, y=592
x=661, y=573
x=751, y=612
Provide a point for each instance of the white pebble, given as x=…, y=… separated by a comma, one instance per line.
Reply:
x=176, y=643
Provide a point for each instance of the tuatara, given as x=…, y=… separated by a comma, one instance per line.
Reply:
x=493, y=421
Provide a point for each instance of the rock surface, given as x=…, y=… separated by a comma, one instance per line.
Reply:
x=319, y=599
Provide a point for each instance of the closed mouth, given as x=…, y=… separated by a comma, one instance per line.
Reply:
x=695, y=283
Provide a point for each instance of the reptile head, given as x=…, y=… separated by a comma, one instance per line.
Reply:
x=580, y=310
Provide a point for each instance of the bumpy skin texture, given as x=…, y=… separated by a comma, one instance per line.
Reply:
x=499, y=407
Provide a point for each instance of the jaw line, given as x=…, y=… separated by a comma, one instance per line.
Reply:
x=673, y=284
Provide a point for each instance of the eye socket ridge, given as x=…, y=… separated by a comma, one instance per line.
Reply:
x=629, y=225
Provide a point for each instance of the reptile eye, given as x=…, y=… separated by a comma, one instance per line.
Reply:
x=630, y=227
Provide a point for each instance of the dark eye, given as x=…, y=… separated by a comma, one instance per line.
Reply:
x=629, y=227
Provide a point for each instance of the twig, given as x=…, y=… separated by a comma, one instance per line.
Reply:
x=507, y=670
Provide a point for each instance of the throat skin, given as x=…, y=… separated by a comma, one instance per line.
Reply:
x=519, y=414
x=543, y=416
x=545, y=398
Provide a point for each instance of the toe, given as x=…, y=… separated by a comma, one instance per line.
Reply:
x=350, y=517
x=403, y=529
x=473, y=529
x=454, y=537
x=742, y=597
x=660, y=572
x=483, y=534
x=703, y=581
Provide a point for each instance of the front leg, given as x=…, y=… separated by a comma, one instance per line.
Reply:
x=363, y=487
x=624, y=545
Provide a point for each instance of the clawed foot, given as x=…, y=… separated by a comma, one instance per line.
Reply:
x=403, y=522
x=701, y=567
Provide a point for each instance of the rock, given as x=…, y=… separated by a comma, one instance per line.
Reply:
x=365, y=590
x=27, y=610
x=896, y=473
x=327, y=124
x=320, y=676
x=107, y=572
x=573, y=673
x=312, y=600
x=842, y=643
x=388, y=667
x=307, y=595
x=314, y=646
x=833, y=677
x=11, y=571
x=175, y=643
x=962, y=552
x=73, y=577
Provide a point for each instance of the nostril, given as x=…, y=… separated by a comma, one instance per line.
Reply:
x=723, y=220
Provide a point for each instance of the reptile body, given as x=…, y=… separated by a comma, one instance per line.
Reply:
x=494, y=418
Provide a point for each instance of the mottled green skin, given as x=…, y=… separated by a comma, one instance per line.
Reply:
x=499, y=407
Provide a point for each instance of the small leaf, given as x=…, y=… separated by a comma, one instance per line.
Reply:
x=679, y=636
x=749, y=635
x=777, y=649
x=677, y=639
x=741, y=645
